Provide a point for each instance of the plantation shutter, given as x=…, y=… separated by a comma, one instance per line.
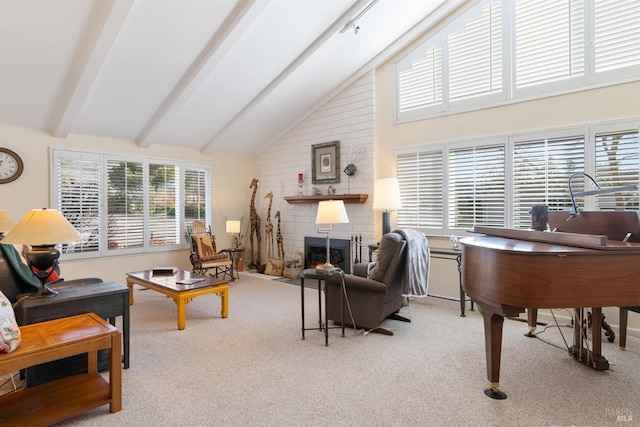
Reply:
x=78, y=191
x=125, y=205
x=475, y=52
x=617, y=31
x=162, y=187
x=541, y=171
x=549, y=41
x=421, y=187
x=419, y=78
x=477, y=187
x=617, y=165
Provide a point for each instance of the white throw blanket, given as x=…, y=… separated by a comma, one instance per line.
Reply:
x=417, y=272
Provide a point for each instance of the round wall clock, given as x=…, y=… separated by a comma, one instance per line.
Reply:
x=10, y=166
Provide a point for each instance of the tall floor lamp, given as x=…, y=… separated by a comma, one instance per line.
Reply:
x=386, y=197
x=330, y=212
x=43, y=229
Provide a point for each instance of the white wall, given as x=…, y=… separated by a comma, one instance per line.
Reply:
x=349, y=118
x=230, y=193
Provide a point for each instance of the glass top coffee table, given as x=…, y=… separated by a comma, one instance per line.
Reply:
x=182, y=287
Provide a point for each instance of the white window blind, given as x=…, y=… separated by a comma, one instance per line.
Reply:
x=197, y=204
x=618, y=165
x=421, y=187
x=78, y=198
x=475, y=53
x=617, y=34
x=125, y=204
x=164, y=199
x=549, y=41
x=477, y=187
x=122, y=205
x=419, y=78
x=541, y=171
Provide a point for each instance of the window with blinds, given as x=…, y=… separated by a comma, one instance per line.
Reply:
x=541, y=171
x=617, y=34
x=496, y=182
x=476, y=187
x=164, y=199
x=125, y=205
x=421, y=189
x=420, y=79
x=475, y=53
x=497, y=51
x=196, y=203
x=618, y=165
x=122, y=205
x=78, y=191
x=549, y=41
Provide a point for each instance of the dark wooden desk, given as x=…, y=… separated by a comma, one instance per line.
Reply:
x=106, y=299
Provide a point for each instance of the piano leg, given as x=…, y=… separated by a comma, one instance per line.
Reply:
x=532, y=320
x=493, y=321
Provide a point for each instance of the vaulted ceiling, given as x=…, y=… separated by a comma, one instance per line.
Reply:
x=212, y=75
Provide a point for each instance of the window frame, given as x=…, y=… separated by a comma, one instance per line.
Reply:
x=181, y=218
x=588, y=132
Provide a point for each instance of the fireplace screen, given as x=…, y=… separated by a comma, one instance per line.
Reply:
x=315, y=253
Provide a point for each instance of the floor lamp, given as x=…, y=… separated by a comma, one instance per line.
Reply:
x=42, y=229
x=386, y=197
x=330, y=212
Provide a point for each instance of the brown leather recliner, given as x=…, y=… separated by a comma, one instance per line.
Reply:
x=377, y=297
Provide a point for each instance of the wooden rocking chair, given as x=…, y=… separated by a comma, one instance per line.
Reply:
x=204, y=255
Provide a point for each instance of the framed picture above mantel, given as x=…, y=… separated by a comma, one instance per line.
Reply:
x=325, y=163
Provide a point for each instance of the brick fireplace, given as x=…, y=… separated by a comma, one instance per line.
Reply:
x=315, y=252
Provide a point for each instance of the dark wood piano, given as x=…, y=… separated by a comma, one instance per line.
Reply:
x=507, y=271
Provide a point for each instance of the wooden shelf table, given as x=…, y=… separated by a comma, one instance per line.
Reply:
x=58, y=400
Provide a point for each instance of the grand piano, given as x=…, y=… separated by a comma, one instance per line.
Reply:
x=507, y=271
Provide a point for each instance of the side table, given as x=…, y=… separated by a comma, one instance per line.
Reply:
x=454, y=254
x=321, y=276
x=234, y=253
x=106, y=299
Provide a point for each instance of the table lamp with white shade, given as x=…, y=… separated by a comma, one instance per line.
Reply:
x=330, y=212
x=6, y=223
x=233, y=228
x=386, y=198
x=42, y=229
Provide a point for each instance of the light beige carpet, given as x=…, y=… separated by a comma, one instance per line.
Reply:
x=253, y=369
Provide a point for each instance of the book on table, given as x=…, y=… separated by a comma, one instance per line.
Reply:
x=164, y=271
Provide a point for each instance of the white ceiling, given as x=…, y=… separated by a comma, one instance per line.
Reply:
x=212, y=75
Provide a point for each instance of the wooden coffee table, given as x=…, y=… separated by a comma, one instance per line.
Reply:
x=170, y=286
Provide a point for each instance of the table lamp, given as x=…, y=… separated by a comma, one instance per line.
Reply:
x=42, y=229
x=330, y=212
x=6, y=223
x=233, y=228
x=386, y=197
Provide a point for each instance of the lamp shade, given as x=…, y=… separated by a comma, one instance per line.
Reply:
x=386, y=195
x=233, y=227
x=42, y=227
x=6, y=223
x=331, y=212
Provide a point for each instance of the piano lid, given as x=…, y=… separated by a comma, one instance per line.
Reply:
x=613, y=224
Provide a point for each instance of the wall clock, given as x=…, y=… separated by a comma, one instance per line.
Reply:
x=10, y=166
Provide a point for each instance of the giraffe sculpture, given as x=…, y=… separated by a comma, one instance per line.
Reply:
x=255, y=225
x=268, y=227
x=279, y=239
